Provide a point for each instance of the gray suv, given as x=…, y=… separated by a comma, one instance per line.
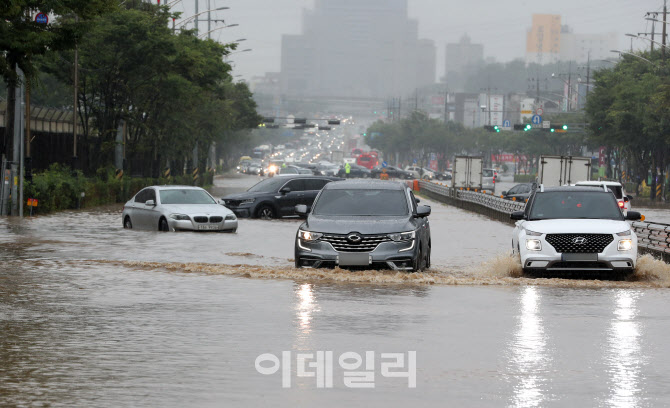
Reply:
x=364, y=224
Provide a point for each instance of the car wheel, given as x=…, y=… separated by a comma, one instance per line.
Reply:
x=266, y=213
x=417, y=263
x=163, y=225
x=127, y=223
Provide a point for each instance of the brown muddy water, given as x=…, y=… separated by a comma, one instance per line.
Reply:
x=95, y=315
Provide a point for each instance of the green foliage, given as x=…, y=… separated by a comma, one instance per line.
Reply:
x=524, y=178
x=59, y=188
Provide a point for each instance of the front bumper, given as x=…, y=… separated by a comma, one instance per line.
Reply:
x=190, y=225
x=547, y=259
x=387, y=255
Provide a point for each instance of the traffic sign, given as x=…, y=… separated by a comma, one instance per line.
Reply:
x=539, y=111
x=42, y=18
x=415, y=161
x=507, y=124
x=384, y=164
x=536, y=120
x=546, y=124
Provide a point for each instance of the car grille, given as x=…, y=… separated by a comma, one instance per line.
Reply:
x=367, y=244
x=215, y=219
x=200, y=219
x=593, y=244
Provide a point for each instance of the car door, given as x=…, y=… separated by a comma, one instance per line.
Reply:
x=522, y=192
x=423, y=227
x=286, y=202
x=512, y=191
x=146, y=213
x=139, y=213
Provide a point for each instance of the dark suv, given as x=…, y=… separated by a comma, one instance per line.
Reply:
x=364, y=224
x=276, y=197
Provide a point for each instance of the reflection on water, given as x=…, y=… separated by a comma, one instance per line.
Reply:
x=528, y=352
x=624, y=352
x=305, y=307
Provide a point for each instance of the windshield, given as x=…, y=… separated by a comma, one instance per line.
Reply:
x=487, y=173
x=617, y=190
x=575, y=204
x=361, y=202
x=186, y=196
x=268, y=186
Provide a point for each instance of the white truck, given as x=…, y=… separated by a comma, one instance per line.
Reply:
x=467, y=172
x=563, y=170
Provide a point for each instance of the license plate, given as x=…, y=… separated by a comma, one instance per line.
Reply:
x=208, y=227
x=579, y=257
x=354, y=259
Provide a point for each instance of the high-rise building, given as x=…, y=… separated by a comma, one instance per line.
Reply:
x=463, y=56
x=577, y=47
x=543, y=41
x=356, y=48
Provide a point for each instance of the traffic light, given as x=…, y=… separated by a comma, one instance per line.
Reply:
x=560, y=128
x=269, y=120
x=519, y=127
x=325, y=128
x=496, y=128
x=490, y=128
x=300, y=121
x=333, y=122
x=527, y=128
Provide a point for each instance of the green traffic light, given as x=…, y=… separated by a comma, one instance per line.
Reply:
x=553, y=130
x=565, y=127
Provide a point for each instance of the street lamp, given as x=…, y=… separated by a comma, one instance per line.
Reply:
x=648, y=39
x=218, y=28
x=636, y=56
x=187, y=20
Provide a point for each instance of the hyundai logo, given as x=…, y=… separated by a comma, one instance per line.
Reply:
x=579, y=241
x=355, y=238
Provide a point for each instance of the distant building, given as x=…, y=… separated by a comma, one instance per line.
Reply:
x=548, y=42
x=576, y=47
x=543, y=40
x=356, y=48
x=460, y=58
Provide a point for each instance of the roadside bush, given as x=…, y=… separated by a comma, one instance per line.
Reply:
x=524, y=178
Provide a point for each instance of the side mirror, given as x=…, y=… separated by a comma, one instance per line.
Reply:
x=417, y=200
x=285, y=190
x=517, y=215
x=634, y=216
x=150, y=203
x=504, y=193
x=301, y=209
x=423, y=211
x=629, y=197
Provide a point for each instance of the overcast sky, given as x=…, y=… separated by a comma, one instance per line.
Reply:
x=498, y=24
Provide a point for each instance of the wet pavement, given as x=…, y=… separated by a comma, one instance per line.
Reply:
x=95, y=315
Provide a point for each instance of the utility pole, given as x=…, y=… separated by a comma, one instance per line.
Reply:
x=653, y=26
x=665, y=16
x=28, y=160
x=446, y=105
x=74, y=104
x=588, y=73
x=569, y=86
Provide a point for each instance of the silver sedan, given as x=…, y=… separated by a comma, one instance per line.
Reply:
x=176, y=208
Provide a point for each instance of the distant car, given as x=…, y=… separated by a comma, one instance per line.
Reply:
x=365, y=223
x=356, y=171
x=623, y=200
x=521, y=192
x=392, y=171
x=571, y=228
x=488, y=180
x=177, y=208
x=327, y=169
x=288, y=170
x=443, y=175
x=277, y=196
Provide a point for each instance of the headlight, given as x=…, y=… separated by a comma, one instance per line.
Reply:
x=403, y=236
x=533, y=245
x=533, y=233
x=231, y=217
x=180, y=217
x=309, y=236
x=625, y=245
x=624, y=233
x=248, y=201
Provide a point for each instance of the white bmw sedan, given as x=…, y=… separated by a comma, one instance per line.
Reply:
x=177, y=208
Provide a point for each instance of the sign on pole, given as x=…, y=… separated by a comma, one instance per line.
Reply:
x=540, y=111
x=42, y=18
x=546, y=124
x=536, y=120
x=384, y=164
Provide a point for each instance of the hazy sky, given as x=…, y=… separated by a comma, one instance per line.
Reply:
x=498, y=24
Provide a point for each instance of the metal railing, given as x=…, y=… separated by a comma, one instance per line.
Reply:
x=653, y=237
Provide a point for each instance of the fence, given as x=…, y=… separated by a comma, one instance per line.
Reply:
x=653, y=237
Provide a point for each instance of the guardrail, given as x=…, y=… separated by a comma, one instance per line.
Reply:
x=653, y=237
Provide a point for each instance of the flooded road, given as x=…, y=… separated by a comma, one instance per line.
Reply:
x=95, y=315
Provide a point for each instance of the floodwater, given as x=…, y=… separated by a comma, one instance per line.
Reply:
x=95, y=315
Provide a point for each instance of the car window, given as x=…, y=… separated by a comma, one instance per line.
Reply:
x=414, y=203
x=487, y=173
x=617, y=190
x=270, y=185
x=289, y=170
x=357, y=202
x=144, y=195
x=296, y=185
x=315, y=184
x=574, y=205
x=514, y=190
x=185, y=196
x=524, y=189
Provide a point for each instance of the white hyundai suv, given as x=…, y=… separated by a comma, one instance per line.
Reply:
x=574, y=229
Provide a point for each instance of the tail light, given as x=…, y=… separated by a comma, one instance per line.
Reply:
x=621, y=204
